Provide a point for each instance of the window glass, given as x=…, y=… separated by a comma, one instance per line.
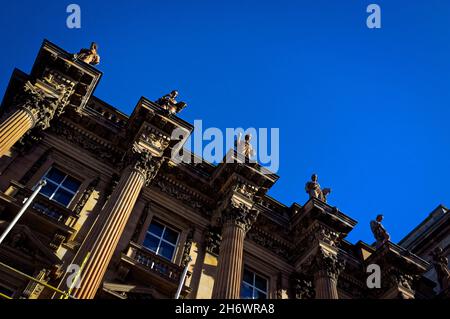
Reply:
x=60, y=187
x=171, y=236
x=156, y=229
x=151, y=242
x=161, y=239
x=253, y=286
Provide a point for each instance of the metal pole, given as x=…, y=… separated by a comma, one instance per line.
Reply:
x=183, y=277
x=41, y=184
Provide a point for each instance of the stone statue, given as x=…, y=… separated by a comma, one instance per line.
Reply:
x=313, y=189
x=89, y=56
x=379, y=232
x=244, y=147
x=440, y=263
x=169, y=102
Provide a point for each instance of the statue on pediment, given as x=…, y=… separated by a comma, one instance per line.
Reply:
x=315, y=191
x=89, y=56
x=379, y=232
x=440, y=264
x=244, y=147
x=169, y=102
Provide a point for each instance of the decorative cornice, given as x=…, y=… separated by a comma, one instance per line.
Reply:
x=185, y=195
x=98, y=148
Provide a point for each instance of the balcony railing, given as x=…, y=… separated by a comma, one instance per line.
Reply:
x=154, y=263
x=42, y=205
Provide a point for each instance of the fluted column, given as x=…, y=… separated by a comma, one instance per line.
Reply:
x=13, y=128
x=118, y=210
x=327, y=270
x=35, y=107
x=237, y=221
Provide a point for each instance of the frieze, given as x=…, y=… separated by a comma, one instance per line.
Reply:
x=182, y=194
x=270, y=243
x=96, y=147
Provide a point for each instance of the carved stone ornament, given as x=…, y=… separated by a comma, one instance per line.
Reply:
x=142, y=161
x=440, y=263
x=315, y=191
x=40, y=105
x=46, y=98
x=325, y=263
x=169, y=103
x=155, y=139
x=303, y=287
x=187, y=248
x=213, y=239
x=239, y=214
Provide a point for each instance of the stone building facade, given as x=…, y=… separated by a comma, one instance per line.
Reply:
x=119, y=218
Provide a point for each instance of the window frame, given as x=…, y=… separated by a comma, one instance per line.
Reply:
x=161, y=239
x=253, y=284
x=59, y=185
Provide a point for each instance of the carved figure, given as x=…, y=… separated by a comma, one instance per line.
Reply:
x=89, y=56
x=169, y=102
x=313, y=189
x=379, y=232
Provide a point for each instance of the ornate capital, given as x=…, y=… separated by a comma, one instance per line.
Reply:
x=240, y=215
x=142, y=161
x=325, y=264
x=46, y=98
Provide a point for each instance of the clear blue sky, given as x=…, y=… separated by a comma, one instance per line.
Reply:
x=367, y=110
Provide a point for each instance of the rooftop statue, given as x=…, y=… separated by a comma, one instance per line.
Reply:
x=379, y=232
x=440, y=263
x=169, y=102
x=89, y=56
x=244, y=147
x=313, y=189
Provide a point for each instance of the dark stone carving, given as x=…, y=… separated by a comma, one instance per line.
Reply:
x=239, y=214
x=440, y=263
x=302, y=286
x=57, y=240
x=269, y=242
x=313, y=189
x=213, y=239
x=182, y=194
x=142, y=161
x=86, y=194
x=87, y=142
x=168, y=102
x=324, y=263
x=187, y=248
x=89, y=56
x=379, y=232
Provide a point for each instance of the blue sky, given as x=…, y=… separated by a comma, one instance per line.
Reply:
x=367, y=110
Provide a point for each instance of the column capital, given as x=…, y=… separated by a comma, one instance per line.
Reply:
x=140, y=159
x=325, y=264
x=240, y=215
x=45, y=98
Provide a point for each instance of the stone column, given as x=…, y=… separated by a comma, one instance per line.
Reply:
x=34, y=108
x=237, y=220
x=13, y=128
x=327, y=268
x=118, y=209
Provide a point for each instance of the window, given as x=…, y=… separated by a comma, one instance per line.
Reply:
x=60, y=187
x=161, y=240
x=253, y=286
